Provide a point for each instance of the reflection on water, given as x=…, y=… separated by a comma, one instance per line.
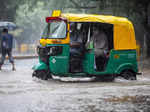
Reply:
x=19, y=92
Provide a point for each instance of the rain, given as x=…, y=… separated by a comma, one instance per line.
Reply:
x=20, y=92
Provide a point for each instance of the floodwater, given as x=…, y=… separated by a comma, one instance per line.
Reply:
x=19, y=92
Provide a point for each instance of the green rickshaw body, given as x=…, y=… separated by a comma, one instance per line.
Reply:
x=118, y=61
x=122, y=55
x=59, y=65
x=40, y=66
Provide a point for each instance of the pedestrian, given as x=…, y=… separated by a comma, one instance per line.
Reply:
x=6, y=47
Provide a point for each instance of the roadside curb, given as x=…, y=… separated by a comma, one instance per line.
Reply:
x=24, y=57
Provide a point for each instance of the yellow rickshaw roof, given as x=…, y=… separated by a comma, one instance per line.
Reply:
x=124, y=36
x=96, y=18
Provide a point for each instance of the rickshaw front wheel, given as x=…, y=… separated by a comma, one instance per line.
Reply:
x=128, y=74
x=42, y=74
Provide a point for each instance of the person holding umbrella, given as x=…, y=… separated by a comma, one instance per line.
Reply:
x=6, y=47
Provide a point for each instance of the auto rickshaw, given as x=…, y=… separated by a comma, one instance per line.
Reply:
x=55, y=44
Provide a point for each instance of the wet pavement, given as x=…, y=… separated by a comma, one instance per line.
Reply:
x=19, y=92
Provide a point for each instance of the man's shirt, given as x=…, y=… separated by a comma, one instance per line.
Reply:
x=100, y=40
x=7, y=41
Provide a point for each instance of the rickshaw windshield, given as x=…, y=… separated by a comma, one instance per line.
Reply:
x=55, y=29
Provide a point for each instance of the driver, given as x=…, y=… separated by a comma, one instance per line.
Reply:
x=75, y=40
x=75, y=48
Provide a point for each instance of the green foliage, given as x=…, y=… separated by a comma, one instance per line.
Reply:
x=30, y=15
x=31, y=20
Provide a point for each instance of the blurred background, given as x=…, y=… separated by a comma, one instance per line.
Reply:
x=29, y=17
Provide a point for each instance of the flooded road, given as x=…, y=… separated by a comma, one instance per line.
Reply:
x=19, y=92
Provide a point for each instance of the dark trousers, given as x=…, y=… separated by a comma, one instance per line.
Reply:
x=101, y=63
x=76, y=62
x=4, y=53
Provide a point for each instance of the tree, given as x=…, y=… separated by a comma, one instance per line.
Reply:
x=29, y=13
x=138, y=11
x=8, y=9
x=32, y=19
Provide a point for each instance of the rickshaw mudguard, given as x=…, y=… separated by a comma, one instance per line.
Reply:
x=122, y=60
x=40, y=66
x=126, y=66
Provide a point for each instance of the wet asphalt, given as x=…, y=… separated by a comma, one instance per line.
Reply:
x=19, y=92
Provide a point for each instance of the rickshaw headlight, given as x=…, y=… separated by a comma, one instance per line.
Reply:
x=55, y=50
x=51, y=51
x=42, y=52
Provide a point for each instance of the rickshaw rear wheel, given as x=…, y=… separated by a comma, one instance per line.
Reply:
x=128, y=74
x=42, y=74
